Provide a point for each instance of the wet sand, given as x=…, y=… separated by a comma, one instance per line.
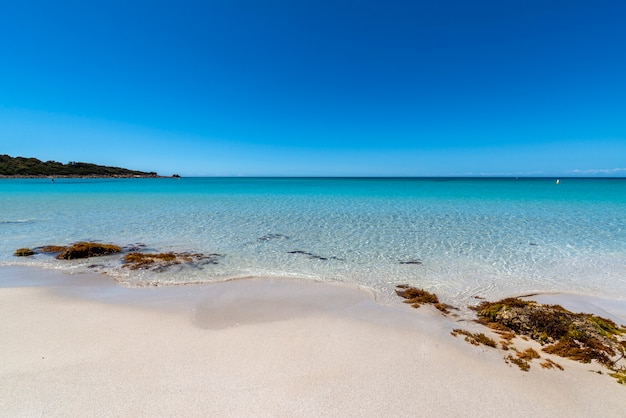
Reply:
x=84, y=346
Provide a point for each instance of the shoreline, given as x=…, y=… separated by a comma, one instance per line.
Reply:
x=259, y=347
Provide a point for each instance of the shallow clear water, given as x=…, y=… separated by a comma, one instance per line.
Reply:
x=473, y=237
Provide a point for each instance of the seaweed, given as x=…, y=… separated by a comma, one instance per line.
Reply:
x=580, y=337
x=522, y=359
x=416, y=297
x=549, y=364
x=474, y=338
x=443, y=307
x=23, y=252
x=620, y=375
x=51, y=249
x=519, y=362
x=162, y=261
x=528, y=354
x=87, y=250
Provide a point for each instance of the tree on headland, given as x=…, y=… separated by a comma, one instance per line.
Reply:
x=32, y=167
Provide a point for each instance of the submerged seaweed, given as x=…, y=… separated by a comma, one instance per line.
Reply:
x=162, y=261
x=87, y=250
x=313, y=256
x=23, y=252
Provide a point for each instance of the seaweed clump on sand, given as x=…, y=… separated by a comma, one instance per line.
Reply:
x=523, y=359
x=418, y=297
x=474, y=338
x=578, y=336
x=87, y=250
x=162, y=261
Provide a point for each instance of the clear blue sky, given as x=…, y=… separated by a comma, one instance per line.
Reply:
x=391, y=88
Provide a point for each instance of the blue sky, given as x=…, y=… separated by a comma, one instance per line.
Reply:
x=347, y=88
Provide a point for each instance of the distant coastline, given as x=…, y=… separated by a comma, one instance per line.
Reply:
x=91, y=176
x=22, y=167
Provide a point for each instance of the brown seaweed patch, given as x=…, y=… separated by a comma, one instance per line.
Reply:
x=417, y=297
x=549, y=364
x=88, y=249
x=521, y=363
x=51, y=249
x=522, y=359
x=620, y=375
x=578, y=336
x=23, y=252
x=443, y=307
x=528, y=354
x=162, y=261
x=474, y=338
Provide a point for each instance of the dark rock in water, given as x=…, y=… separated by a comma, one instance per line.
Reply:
x=23, y=252
x=300, y=252
x=88, y=249
x=131, y=248
x=269, y=237
x=414, y=262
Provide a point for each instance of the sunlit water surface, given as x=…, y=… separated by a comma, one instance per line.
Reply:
x=460, y=238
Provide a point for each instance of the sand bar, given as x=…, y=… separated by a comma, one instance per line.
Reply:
x=84, y=346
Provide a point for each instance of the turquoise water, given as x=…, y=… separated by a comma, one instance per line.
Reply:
x=461, y=237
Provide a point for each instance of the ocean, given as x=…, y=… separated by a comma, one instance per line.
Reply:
x=458, y=237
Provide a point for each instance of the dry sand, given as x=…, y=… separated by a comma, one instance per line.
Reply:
x=82, y=346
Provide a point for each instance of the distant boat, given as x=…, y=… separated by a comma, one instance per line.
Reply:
x=558, y=181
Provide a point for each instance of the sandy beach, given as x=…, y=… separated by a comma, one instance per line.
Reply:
x=83, y=346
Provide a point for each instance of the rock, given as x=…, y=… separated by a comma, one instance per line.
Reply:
x=414, y=262
x=314, y=256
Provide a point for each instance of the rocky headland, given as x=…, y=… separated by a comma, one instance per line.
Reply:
x=21, y=167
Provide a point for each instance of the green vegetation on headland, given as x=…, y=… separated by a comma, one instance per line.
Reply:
x=32, y=167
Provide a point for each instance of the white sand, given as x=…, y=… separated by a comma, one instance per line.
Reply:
x=260, y=348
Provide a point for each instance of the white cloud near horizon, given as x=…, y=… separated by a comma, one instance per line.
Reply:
x=599, y=171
